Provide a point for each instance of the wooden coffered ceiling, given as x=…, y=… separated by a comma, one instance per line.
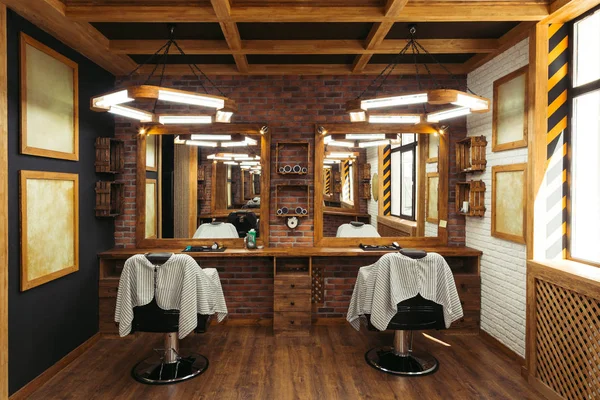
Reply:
x=291, y=36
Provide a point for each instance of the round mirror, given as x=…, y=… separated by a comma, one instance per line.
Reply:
x=375, y=186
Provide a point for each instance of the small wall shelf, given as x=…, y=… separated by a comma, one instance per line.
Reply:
x=474, y=193
x=290, y=154
x=110, y=155
x=365, y=172
x=292, y=196
x=470, y=154
x=109, y=198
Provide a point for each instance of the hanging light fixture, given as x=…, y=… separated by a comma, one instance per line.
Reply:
x=466, y=101
x=219, y=108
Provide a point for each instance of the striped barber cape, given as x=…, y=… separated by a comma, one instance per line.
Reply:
x=180, y=285
x=394, y=278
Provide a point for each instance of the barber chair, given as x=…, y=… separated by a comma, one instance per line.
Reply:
x=243, y=222
x=413, y=314
x=169, y=365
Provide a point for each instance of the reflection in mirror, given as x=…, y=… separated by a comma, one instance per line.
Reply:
x=208, y=192
x=406, y=165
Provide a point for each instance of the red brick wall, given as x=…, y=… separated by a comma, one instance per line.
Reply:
x=290, y=105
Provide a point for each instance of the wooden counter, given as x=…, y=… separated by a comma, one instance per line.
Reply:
x=314, y=264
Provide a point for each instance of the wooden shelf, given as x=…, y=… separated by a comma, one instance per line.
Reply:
x=301, y=200
x=470, y=154
x=291, y=150
x=292, y=215
x=109, y=198
x=110, y=155
x=474, y=193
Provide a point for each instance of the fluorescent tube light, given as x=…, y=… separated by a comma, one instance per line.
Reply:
x=223, y=116
x=252, y=163
x=394, y=101
x=394, y=119
x=358, y=116
x=234, y=144
x=447, y=114
x=374, y=143
x=218, y=157
x=335, y=154
x=363, y=136
x=185, y=119
x=471, y=102
x=195, y=99
x=340, y=143
x=112, y=99
x=201, y=143
x=230, y=163
x=129, y=112
x=331, y=162
x=211, y=137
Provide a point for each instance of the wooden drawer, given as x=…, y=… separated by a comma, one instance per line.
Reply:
x=289, y=322
x=469, y=291
x=108, y=288
x=297, y=284
x=292, y=301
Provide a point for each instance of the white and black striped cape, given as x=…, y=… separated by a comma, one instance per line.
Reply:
x=180, y=285
x=395, y=278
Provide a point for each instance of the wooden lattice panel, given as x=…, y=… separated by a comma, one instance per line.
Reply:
x=317, y=285
x=568, y=341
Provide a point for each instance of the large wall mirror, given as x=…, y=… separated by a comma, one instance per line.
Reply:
x=211, y=185
x=411, y=182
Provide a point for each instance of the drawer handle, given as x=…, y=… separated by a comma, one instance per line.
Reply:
x=292, y=286
x=292, y=303
x=292, y=322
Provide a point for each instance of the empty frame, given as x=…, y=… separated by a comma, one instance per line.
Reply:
x=509, y=184
x=509, y=124
x=433, y=180
x=151, y=209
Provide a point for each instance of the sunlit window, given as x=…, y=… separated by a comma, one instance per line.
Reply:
x=586, y=54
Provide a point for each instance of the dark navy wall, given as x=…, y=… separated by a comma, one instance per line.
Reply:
x=48, y=321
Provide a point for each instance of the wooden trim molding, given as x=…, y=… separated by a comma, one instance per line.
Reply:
x=48, y=374
x=3, y=208
x=489, y=339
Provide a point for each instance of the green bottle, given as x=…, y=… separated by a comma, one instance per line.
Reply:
x=251, y=239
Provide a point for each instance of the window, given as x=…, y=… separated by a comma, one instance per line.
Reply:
x=584, y=211
x=403, y=177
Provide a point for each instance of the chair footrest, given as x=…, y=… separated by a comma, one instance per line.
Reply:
x=387, y=360
x=154, y=371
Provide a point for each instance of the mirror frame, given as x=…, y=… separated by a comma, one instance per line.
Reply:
x=265, y=157
x=321, y=130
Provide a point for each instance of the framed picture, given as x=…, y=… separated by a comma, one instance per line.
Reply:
x=49, y=226
x=433, y=180
x=433, y=143
x=152, y=153
x=49, y=102
x=151, y=210
x=509, y=121
x=509, y=201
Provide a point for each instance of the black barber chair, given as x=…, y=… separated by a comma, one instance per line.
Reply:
x=169, y=365
x=413, y=314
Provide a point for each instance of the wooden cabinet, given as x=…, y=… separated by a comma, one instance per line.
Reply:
x=292, y=295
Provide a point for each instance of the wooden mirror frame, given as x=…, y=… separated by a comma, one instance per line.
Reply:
x=321, y=130
x=256, y=130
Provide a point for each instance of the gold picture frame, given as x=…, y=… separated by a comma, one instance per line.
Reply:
x=151, y=209
x=49, y=211
x=509, y=221
x=49, y=102
x=152, y=150
x=509, y=115
x=432, y=143
x=432, y=206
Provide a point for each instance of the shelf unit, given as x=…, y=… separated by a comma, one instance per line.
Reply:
x=109, y=198
x=474, y=193
x=299, y=191
x=110, y=155
x=292, y=295
x=470, y=154
x=292, y=150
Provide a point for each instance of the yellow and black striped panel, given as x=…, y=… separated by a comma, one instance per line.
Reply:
x=327, y=180
x=558, y=110
x=387, y=180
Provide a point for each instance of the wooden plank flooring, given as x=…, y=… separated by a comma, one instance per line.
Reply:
x=250, y=363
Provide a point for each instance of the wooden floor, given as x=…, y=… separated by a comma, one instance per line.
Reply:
x=250, y=363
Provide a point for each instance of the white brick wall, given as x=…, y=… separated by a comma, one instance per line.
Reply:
x=503, y=265
x=373, y=159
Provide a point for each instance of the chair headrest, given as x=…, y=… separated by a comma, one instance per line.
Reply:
x=413, y=253
x=158, y=258
x=357, y=223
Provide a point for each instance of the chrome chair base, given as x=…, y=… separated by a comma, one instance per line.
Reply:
x=154, y=371
x=387, y=359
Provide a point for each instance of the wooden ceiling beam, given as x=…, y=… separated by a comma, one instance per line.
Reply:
x=389, y=46
x=299, y=69
x=430, y=11
x=231, y=33
x=49, y=15
x=562, y=11
x=512, y=37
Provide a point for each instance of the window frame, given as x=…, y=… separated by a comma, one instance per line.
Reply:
x=572, y=93
x=411, y=147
